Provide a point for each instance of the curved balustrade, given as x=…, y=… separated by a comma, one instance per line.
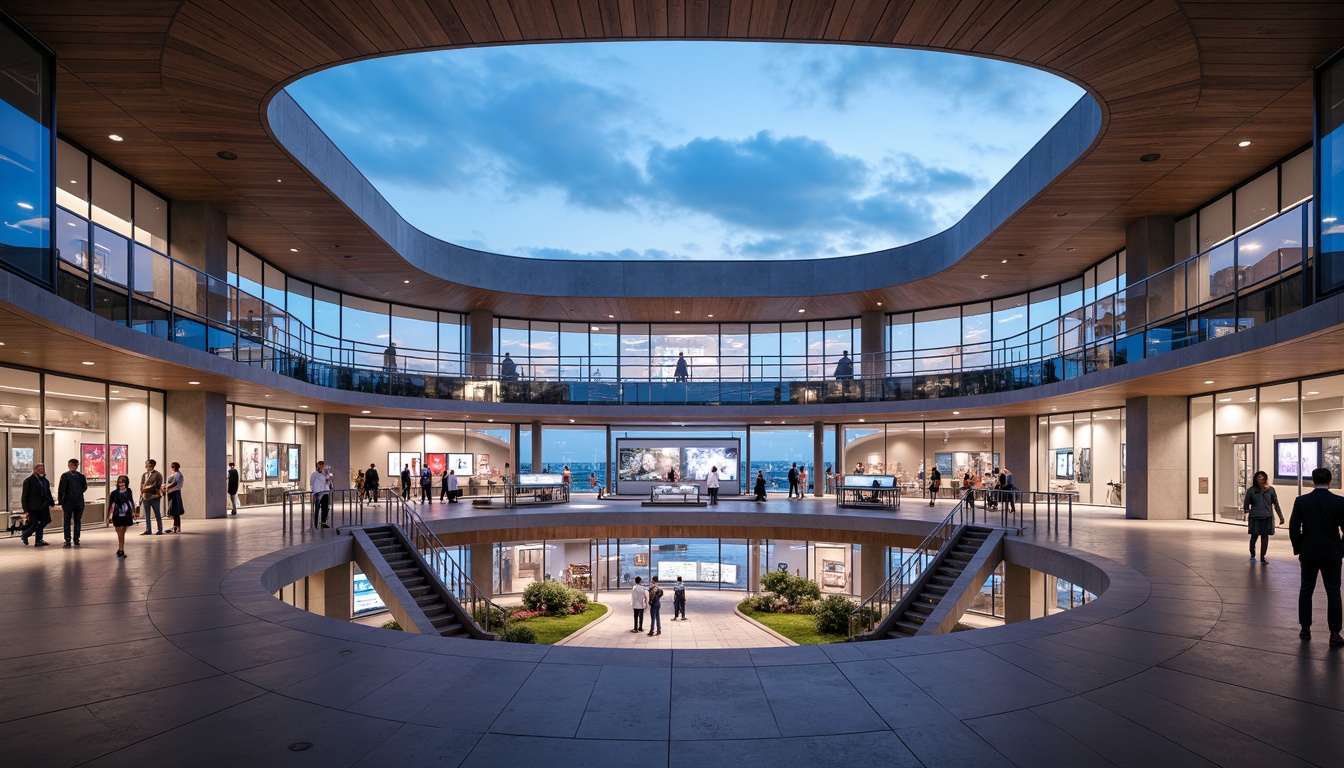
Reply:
x=1257, y=277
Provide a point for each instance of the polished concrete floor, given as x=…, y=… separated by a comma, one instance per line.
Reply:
x=712, y=621
x=177, y=656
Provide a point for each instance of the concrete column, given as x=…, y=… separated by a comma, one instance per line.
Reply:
x=331, y=594
x=1157, y=458
x=200, y=237
x=197, y=425
x=1023, y=593
x=483, y=568
x=1150, y=247
x=536, y=447
x=872, y=569
x=1019, y=450
x=873, y=338
x=481, y=342
x=753, y=566
x=818, y=475
x=333, y=447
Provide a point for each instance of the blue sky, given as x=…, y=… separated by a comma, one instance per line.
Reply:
x=683, y=150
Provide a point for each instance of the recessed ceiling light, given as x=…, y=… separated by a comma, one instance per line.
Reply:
x=984, y=277
x=879, y=303
x=956, y=413
x=303, y=406
x=801, y=311
x=491, y=420
x=711, y=315
x=193, y=382
x=1070, y=250
x=115, y=391
x=25, y=206
x=293, y=250
x=87, y=362
x=1225, y=400
x=268, y=395
x=115, y=137
x=611, y=317
x=676, y=311
x=1313, y=392
x=862, y=420
x=74, y=181
x=571, y=421
x=366, y=411
x=1210, y=381
x=595, y=328
x=1244, y=143
x=277, y=181
x=1005, y=261
x=225, y=154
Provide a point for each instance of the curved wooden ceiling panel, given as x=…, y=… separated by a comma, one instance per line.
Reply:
x=185, y=80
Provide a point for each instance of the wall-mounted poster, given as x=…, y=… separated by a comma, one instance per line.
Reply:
x=943, y=461
x=483, y=465
x=462, y=464
x=437, y=463
x=409, y=459
x=20, y=463
x=293, y=462
x=250, y=468
x=1084, y=465
x=1331, y=458
x=117, y=459
x=832, y=573
x=93, y=460
x=1064, y=464
x=1294, y=459
x=272, y=459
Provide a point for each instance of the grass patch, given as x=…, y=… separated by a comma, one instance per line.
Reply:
x=801, y=628
x=552, y=629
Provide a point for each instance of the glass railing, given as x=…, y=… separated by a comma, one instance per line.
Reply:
x=1254, y=278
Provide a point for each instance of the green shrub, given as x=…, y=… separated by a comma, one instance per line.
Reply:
x=763, y=604
x=791, y=589
x=391, y=624
x=548, y=596
x=832, y=614
x=496, y=616
x=579, y=601
x=518, y=633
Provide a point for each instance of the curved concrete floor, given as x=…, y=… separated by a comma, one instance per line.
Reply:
x=177, y=656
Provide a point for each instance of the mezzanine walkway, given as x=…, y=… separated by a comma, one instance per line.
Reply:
x=178, y=655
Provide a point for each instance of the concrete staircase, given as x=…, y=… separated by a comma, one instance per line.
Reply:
x=915, y=614
x=429, y=599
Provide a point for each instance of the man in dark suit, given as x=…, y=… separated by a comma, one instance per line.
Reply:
x=70, y=495
x=233, y=487
x=371, y=482
x=37, y=502
x=1315, y=529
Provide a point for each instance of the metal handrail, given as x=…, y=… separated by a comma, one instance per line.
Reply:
x=1011, y=506
x=868, y=615
x=479, y=608
x=347, y=508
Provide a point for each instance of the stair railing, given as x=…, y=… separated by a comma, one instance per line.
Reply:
x=868, y=615
x=478, y=607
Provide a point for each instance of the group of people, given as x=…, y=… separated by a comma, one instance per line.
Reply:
x=651, y=598
x=122, y=510
x=971, y=482
x=1316, y=531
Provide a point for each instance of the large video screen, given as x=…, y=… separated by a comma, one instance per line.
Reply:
x=699, y=460
x=647, y=463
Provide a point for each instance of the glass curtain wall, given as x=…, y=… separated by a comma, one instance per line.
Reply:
x=273, y=450
x=1285, y=430
x=1083, y=453
x=476, y=453
x=26, y=134
x=582, y=449
x=908, y=451
x=1330, y=169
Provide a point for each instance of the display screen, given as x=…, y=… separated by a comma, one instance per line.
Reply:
x=540, y=480
x=869, y=481
x=638, y=463
x=436, y=462
x=366, y=598
x=1064, y=464
x=699, y=460
x=462, y=464
x=1294, y=460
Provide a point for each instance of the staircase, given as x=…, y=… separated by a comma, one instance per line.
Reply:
x=935, y=584
x=411, y=571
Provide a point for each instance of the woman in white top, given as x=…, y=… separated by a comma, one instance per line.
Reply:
x=712, y=483
x=173, y=489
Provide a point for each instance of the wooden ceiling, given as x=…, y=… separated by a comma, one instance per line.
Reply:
x=1189, y=80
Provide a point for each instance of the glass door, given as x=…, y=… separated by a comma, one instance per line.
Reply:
x=1234, y=457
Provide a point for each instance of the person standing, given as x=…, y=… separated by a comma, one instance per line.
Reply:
x=70, y=495
x=793, y=480
x=508, y=369
x=712, y=483
x=683, y=372
x=968, y=489
x=443, y=485
x=830, y=480
x=151, y=488
x=173, y=490
x=426, y=485
x=935, y=484
x=1260, y=504
x=565, y=477
x=655, y=607
x=802, y=482
x=359, y=486
x=1315, y=527
x=405, y=482
x=672, y=475
x=37, y=502
x=233, y=488
x=371, y=482
x=450, y=482
x=592, y=484
x=760, y=485
x=844, y=368
x=121, y=509
x=320, y=484
x=639, y=600
x=679, y=600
